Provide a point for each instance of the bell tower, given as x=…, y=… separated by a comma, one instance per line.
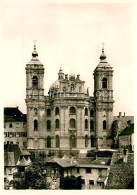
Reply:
x=35, y=102
x=103, y=94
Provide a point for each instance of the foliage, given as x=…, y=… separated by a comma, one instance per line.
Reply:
x=51, y=153
x=91, y=153
x=34, y=177
x=70, y=183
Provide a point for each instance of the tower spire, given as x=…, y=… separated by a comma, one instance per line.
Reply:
x=103, y=56
x=34, y=53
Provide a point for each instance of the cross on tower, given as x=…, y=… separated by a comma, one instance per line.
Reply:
x=34, y=44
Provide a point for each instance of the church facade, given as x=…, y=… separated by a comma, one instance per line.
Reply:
x=69, y=118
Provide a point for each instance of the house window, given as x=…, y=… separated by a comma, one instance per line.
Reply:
x=5, y=134
x=10, y=134
x=91, y=125
x=72, y=110
x=10, y=125
x=35, y=125
x=24, y=125
x=57, y=123
x=88, y=170
x=35, y=81
x=91, y=182
x=48, y=125
x=104, y=125
x=17, y=134
x=91, y=113
x=86, y=112
x=104, y=83
x=48, y=112
x=57, y=111
x=86, y=124
x=4, y=125
x=72, y=123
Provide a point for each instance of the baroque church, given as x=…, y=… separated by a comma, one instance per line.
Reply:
x=68, y=117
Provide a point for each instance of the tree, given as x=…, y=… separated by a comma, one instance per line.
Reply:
x=34, y=177
x=70, y=183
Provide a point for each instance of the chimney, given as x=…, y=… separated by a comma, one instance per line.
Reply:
x=125, y=154
x=119, y=114
x=124, y=114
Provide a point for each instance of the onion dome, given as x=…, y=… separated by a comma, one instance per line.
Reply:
x=34, y=53
x=103, y=56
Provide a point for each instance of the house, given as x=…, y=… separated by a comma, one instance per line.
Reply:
x=126, y=137
x=15, y=131
x=15, y=161
x=92, y=171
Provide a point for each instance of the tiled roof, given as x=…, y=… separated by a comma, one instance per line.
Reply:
x=101, y=179
x=128, y=130
x=13, y=114
x=12, y=153
x=62, y=162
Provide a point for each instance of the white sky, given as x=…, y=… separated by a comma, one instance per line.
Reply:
x=69, y=35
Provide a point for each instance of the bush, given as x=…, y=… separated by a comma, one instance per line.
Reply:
x=70, y=183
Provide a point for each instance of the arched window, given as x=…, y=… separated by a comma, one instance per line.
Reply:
x=72, y=110
x=57, y=111
x=91, y=113
x=35, y=125
x=104, y=125
x=73, y=141
x=72, y=123
x=35, y=81
x=91, y=125
x=48, y=125
x=104, y=83
x=48, y=142
x=92, y=141
x=48, y=112
x=86, y=124
x=86, y=112
x=86, y=141
x=57, y=141
x=72, y=87
x=57, y=123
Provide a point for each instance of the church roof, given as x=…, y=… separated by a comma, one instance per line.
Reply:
x=35, y=59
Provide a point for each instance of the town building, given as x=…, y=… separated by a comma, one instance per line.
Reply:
x=16, y=160
x=68, y=117
x=15, y=131
x=126, y=137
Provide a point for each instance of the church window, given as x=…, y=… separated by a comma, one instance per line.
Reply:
x=92, y=141
x=79, y=89
x=72, y=110
x=57, y=141
x=48, y=112
x=57, y=111
x=72, y=87
x=35, y=125
x=48, y=124
x=86, y=112
x=73, y=141
x=86, y=124
x=86, y=141
x=91, y=125
x=35, y=81
x=91, y=113
x=10, y=125
x=104, y=125
x=57, y=123
x=72, y=123
x=48, y=142
x=104, y=83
